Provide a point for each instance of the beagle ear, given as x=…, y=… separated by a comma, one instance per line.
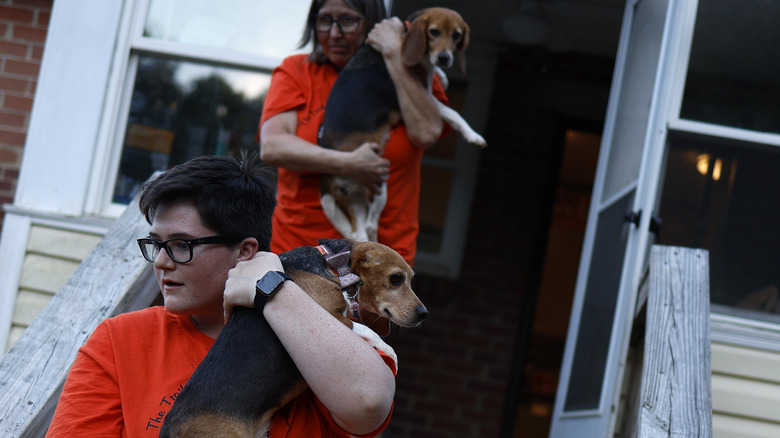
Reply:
x=415, y=42
x=461, y=47
x=375, y=322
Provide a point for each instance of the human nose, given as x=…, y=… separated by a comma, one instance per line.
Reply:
x=164, y=260
x=335, y=29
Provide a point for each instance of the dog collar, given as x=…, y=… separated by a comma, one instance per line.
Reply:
x=348, y=281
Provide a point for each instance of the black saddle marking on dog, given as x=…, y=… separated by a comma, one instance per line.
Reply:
x=361, y=99
x=244, y=374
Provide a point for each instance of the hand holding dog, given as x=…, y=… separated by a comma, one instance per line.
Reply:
x=386, y=36
x=368, y=166
x=240, y=284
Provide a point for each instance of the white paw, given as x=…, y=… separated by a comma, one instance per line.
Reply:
x=475, y=139
x=375, y=341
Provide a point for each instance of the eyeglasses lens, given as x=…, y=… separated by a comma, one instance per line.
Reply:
x=178, y=250
x=345, y=24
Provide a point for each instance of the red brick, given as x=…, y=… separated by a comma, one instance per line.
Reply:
x=13, y=138
x=17, y=85
x=37, y=53
x=37, y=4
x=29, y=33
x=13, y=49
x=22, y=67
x=12, y=120
x=43, y=18
x=17, y=15
x=19, y=103
x=8, y=155
x=3, y=29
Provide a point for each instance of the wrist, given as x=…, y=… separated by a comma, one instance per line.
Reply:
x=267, y=286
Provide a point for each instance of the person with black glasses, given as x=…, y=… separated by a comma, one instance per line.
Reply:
x=208, y=242
x=293, y=112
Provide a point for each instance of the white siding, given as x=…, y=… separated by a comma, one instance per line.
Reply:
x=52, y=255
x=745, y=392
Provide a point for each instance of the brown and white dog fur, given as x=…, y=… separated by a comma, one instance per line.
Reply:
x=247, y=374
x=363, y=107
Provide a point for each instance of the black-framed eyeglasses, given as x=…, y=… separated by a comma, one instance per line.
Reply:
x=346, y=24
x=179, y=250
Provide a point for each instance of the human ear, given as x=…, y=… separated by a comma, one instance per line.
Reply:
x=247, y=249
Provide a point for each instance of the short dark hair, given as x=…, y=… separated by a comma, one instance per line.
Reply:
x=234, y=198
x=373, y=12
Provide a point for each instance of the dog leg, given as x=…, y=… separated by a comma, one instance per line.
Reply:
x=457, y=122
x=340, y=220
x=374, y=212
x=375, y=341
x=445, y=81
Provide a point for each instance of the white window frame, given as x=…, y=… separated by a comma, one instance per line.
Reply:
x=113, y=126
x=726, y=326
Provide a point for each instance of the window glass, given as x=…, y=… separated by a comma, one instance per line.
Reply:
x=263, y=27
x=732, y=76
x=598, y=309
x=180, y=110
x=726, y=199
x=438, y=176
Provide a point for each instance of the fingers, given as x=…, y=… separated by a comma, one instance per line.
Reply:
x=386, y=35
x=240, y=284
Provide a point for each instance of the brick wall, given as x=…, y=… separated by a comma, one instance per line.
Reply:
x=23, y=25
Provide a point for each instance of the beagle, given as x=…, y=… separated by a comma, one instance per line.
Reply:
x=363, y=107
x=247, y=374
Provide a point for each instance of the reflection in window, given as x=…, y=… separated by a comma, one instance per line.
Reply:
x=263, y=27
x=727, y=200
x=437, y=180
x=732, y=76
x=180, y=110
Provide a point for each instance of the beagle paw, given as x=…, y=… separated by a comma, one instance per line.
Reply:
x=375, y=341
x=475, y=139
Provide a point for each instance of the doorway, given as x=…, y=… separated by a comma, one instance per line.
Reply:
x=539, y=375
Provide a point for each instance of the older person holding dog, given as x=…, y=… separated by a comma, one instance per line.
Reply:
x=208, y=241
x=294, y=109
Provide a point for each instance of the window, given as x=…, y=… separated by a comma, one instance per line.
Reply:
x=720, y=188
x=199, y=75
x=726, y=199
x=180, y=110
x=732, y=73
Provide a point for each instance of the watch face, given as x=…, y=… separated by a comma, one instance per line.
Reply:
x=269, y=283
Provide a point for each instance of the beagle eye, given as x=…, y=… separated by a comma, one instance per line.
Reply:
x=435, y=33
x=396, y=279
x=456, y=36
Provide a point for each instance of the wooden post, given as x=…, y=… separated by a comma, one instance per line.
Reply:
x=114, y=278
x=676, y=394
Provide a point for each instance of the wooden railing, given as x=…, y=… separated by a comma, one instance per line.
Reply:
x=671, y=390
x=114, y=278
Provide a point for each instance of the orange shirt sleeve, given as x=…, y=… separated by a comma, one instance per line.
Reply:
x=90, y=404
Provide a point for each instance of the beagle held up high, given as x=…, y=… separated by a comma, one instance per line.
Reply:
x=363, y=107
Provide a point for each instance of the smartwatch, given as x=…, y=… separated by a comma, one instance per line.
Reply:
x=267, y=286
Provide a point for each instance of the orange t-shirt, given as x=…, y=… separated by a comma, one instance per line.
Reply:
x=298, y=84
x=128, y=374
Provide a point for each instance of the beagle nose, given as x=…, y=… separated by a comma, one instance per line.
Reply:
x=444, y=59
x=421, y=312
